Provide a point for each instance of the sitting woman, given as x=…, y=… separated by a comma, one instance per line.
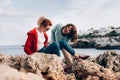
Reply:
x=66, y=34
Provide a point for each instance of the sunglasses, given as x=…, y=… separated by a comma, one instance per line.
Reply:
x=47, y=28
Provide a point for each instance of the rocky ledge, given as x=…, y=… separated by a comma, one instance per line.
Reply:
x=41, y=66
x=98, y=43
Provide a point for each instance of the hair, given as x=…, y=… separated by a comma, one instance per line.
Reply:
x=73, y=33
x=43, y=21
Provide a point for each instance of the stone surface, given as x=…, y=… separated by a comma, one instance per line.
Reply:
x=8, y=73
x=83, y=69
x=47, y=65
x=50, y=67
x=110, y=60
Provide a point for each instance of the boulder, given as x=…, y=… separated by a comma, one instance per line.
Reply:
x=110, y=60
x=8, y=73
x=86, y=70
x=47, y=65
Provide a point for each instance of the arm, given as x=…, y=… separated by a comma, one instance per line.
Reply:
x=46, y=40
x=54, y=32
x=28, y=45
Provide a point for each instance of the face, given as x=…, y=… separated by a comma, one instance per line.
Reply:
x=47, y=28
x=67, y=30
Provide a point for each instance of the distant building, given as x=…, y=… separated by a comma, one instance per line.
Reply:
x=102, y=31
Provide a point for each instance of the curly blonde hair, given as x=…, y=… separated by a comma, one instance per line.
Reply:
x=43, y=21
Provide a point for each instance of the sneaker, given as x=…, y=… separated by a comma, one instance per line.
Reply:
x=84, y=57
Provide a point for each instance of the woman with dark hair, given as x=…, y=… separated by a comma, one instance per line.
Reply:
x=66, y=34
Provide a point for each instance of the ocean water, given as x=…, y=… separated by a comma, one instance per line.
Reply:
x=12, y=49
x=18, y=50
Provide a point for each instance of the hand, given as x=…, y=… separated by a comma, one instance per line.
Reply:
x=76, y=56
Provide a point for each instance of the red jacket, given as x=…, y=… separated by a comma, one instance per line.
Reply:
x=31, y=42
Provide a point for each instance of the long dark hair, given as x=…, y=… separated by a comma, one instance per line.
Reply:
x=73, y=33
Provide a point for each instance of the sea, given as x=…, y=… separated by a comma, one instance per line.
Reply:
x=19, y=50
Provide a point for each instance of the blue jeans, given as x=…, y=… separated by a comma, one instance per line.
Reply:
x=55, y=47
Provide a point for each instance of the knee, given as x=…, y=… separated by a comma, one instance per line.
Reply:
x=63, y=42
x=56, y=45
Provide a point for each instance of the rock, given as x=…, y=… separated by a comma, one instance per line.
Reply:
x=117, y=74
x=106, y=43
x=8, y=73
x=50, y=67
x=109, y=59
x=83, y=69
x=47, y=65
x=4, y=58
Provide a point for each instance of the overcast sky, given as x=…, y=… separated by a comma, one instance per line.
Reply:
x=19, y=16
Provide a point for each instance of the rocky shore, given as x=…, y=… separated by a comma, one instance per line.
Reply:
x=98, y=43
x=41, y=66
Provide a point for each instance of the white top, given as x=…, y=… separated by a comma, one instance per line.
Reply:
x=41, y=40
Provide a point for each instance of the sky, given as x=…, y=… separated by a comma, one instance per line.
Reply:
x=17, y=17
